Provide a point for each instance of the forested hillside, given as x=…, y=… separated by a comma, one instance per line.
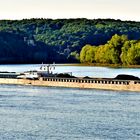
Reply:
x=61, y=40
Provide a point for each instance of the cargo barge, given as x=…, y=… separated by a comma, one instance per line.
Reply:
x=47, y=78
x=107, y=84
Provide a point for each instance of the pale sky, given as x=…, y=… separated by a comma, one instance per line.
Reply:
x=91, y=9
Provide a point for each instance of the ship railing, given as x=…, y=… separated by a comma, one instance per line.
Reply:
x=91, y=80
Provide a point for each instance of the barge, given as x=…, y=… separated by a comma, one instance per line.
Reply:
x=106, y=84
x=42, y=78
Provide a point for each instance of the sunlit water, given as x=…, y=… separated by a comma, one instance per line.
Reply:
x=43, y=113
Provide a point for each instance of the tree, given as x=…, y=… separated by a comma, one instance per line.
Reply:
x=110, y=52
x=133, y=55
x=127, y=45
x=87, y=54
x=117, y=42
x=107, y=54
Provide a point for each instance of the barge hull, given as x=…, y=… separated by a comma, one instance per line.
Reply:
x=127, y=87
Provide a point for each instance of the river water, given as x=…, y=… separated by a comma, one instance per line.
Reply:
x=105, y=72
x=45, y=113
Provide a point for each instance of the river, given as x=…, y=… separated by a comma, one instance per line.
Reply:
x=92, y=71
x=45, y=113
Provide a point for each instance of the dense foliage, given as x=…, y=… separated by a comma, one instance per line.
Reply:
x=118, y=50
x=61, y=40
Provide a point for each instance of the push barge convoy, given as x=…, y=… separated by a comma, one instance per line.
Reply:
x=45, y=77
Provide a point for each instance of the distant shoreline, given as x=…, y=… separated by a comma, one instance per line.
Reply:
x=84, y=65
x=101, y=65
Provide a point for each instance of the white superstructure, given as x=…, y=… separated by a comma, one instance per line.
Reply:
x=44, y=70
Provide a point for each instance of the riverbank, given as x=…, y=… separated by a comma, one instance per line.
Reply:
x=100, y=65
x=85, y=64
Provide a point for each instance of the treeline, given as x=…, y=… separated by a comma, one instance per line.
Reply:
x=118, y=50
x=60, y=40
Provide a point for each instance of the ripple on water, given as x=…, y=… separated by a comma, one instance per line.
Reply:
x=28, y=112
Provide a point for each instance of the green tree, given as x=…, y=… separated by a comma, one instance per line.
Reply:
x=133, y=55
x=117, y=42
x=127, y=45
x=87, y=54
x=107, y=54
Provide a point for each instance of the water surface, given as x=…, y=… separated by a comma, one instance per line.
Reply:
x=43, y=113
x=92, y=71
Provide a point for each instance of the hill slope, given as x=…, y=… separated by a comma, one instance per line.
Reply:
x=61, y=40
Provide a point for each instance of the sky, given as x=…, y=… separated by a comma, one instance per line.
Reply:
x=91, y=9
